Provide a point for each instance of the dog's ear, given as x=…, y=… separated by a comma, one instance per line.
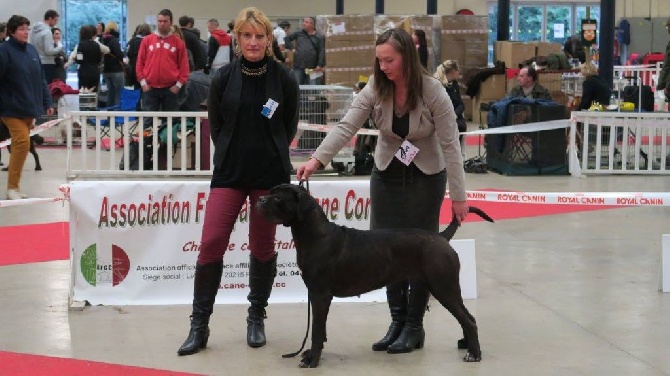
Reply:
x=305, y=204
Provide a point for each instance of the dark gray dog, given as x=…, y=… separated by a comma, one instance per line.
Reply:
x=341, y=261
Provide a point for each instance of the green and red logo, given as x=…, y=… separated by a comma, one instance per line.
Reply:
x=97, y=268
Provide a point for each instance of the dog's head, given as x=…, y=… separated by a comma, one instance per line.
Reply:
x=286, y=204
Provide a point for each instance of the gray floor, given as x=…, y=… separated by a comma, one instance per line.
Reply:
x=569, y=294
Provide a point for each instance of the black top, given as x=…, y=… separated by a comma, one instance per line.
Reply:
x=252, y=159
x=400, y=125
x=594, y=88
x=455, y=96
x=113, y=61
x=423, y=56
x=88, y=53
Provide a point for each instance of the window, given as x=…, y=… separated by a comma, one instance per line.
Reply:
x=77, y=13
x=536, y=21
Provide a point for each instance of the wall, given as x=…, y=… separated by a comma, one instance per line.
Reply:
x=33, y=10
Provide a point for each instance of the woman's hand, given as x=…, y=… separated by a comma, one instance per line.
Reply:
x=460, y=210
x=306, y=170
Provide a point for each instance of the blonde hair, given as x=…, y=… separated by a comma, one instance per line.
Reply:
x=176, y=30
x=444, y=69
x=111, y=26
x=258, y=20
x=588, y=69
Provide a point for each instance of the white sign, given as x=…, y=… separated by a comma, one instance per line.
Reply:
x=136, y=242
x=559, y=30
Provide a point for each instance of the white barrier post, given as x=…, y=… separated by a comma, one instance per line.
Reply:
x=665, y=264
x=468, y=275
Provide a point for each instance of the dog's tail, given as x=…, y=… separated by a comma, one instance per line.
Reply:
x=449, y=232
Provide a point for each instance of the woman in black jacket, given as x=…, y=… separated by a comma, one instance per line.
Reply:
x=88, y=54
x=132, y=50
x=113, y=67
x=253, y=116
x=448, y=73
x=594, y=88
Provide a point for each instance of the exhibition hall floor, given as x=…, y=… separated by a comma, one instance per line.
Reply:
x=562, y=291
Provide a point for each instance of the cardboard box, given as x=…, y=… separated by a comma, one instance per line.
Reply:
x=494, y=87
x=546, y=49
x=513, y=53
x=467, y=111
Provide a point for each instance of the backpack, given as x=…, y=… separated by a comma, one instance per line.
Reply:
x=632, y=94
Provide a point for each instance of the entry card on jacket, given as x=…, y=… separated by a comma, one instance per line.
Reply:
x=406, y=152
x=269, y=108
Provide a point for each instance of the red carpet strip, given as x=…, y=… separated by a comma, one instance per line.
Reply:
x=38, y=365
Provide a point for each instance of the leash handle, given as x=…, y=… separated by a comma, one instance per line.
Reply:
x=304, y=340
x=304, y=183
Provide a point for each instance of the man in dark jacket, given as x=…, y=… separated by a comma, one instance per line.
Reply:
x=24, y=96
x=664, y=77
x=309, y=51
x=192, y=42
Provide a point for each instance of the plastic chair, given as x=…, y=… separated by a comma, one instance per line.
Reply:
x=129, y=101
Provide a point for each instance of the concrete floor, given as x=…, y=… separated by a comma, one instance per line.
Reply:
x=569, y=294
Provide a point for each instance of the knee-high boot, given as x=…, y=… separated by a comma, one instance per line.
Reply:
x=396, y=295
x=261, y=278
x=413, y=335
x=205, y=286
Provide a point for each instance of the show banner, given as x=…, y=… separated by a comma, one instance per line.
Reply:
x=136, y=242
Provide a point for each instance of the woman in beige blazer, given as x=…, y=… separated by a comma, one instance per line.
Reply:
x=417, y=149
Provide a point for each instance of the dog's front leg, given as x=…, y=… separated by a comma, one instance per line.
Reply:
x=320, y=307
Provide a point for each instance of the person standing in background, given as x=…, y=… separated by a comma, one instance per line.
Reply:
x=132, y=50
x=3, y=31
x=24, y=96
x=162, y=67
x=192, y=42
x=253, y=115
x=112, y=71
x=219, y=48
x=419, y=39
x=280, y=33
x=309, y=51
x=42, y=38
x=664, y=77
x=88, y=55
x=60, y=59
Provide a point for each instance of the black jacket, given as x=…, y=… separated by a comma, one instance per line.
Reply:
x=594, y=88
x=193, y=44
x=224, y=102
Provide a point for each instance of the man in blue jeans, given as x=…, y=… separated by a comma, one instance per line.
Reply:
x=162, y=67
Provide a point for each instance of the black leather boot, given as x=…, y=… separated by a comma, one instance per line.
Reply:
x=396, y=295
x=261, y=278
x=413, y=335
x=205, y=287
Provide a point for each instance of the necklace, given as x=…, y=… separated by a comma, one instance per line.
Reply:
x=400, y=110
x=254, y=71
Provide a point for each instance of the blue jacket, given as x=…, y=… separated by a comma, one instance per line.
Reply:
x=23, y=88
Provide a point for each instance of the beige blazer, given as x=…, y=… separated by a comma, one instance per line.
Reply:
x=432, y=129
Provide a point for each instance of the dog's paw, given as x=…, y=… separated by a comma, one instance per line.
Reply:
x=462, y=344
x=470, y=357
x=309, y=360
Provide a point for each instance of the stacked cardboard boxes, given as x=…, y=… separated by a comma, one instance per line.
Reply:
x=350, y=47
x=465, y=39
x=514, y=53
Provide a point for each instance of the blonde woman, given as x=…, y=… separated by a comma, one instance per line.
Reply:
x=448, y=73
x=594, y=88
x=112, y=70
x=251, y=156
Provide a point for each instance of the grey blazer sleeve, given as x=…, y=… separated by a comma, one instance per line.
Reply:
x=347, y=127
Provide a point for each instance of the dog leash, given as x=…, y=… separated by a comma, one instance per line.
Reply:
x=303, y=184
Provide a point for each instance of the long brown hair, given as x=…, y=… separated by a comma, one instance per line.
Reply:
x=413, y=71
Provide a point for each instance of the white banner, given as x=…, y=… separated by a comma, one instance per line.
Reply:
x=136, y=242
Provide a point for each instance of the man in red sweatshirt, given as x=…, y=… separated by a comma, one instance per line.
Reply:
x=220, y=45
x=162, y=67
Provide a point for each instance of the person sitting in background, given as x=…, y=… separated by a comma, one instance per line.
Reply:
x=448, y=73
x=528, y=86
x=594, y=88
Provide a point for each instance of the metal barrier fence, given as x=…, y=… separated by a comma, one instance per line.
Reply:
x=138, y=144
x=99, y=141
x=621, y=142
x=319, y=105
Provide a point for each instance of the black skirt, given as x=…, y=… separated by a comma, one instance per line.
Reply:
x=404, y=197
